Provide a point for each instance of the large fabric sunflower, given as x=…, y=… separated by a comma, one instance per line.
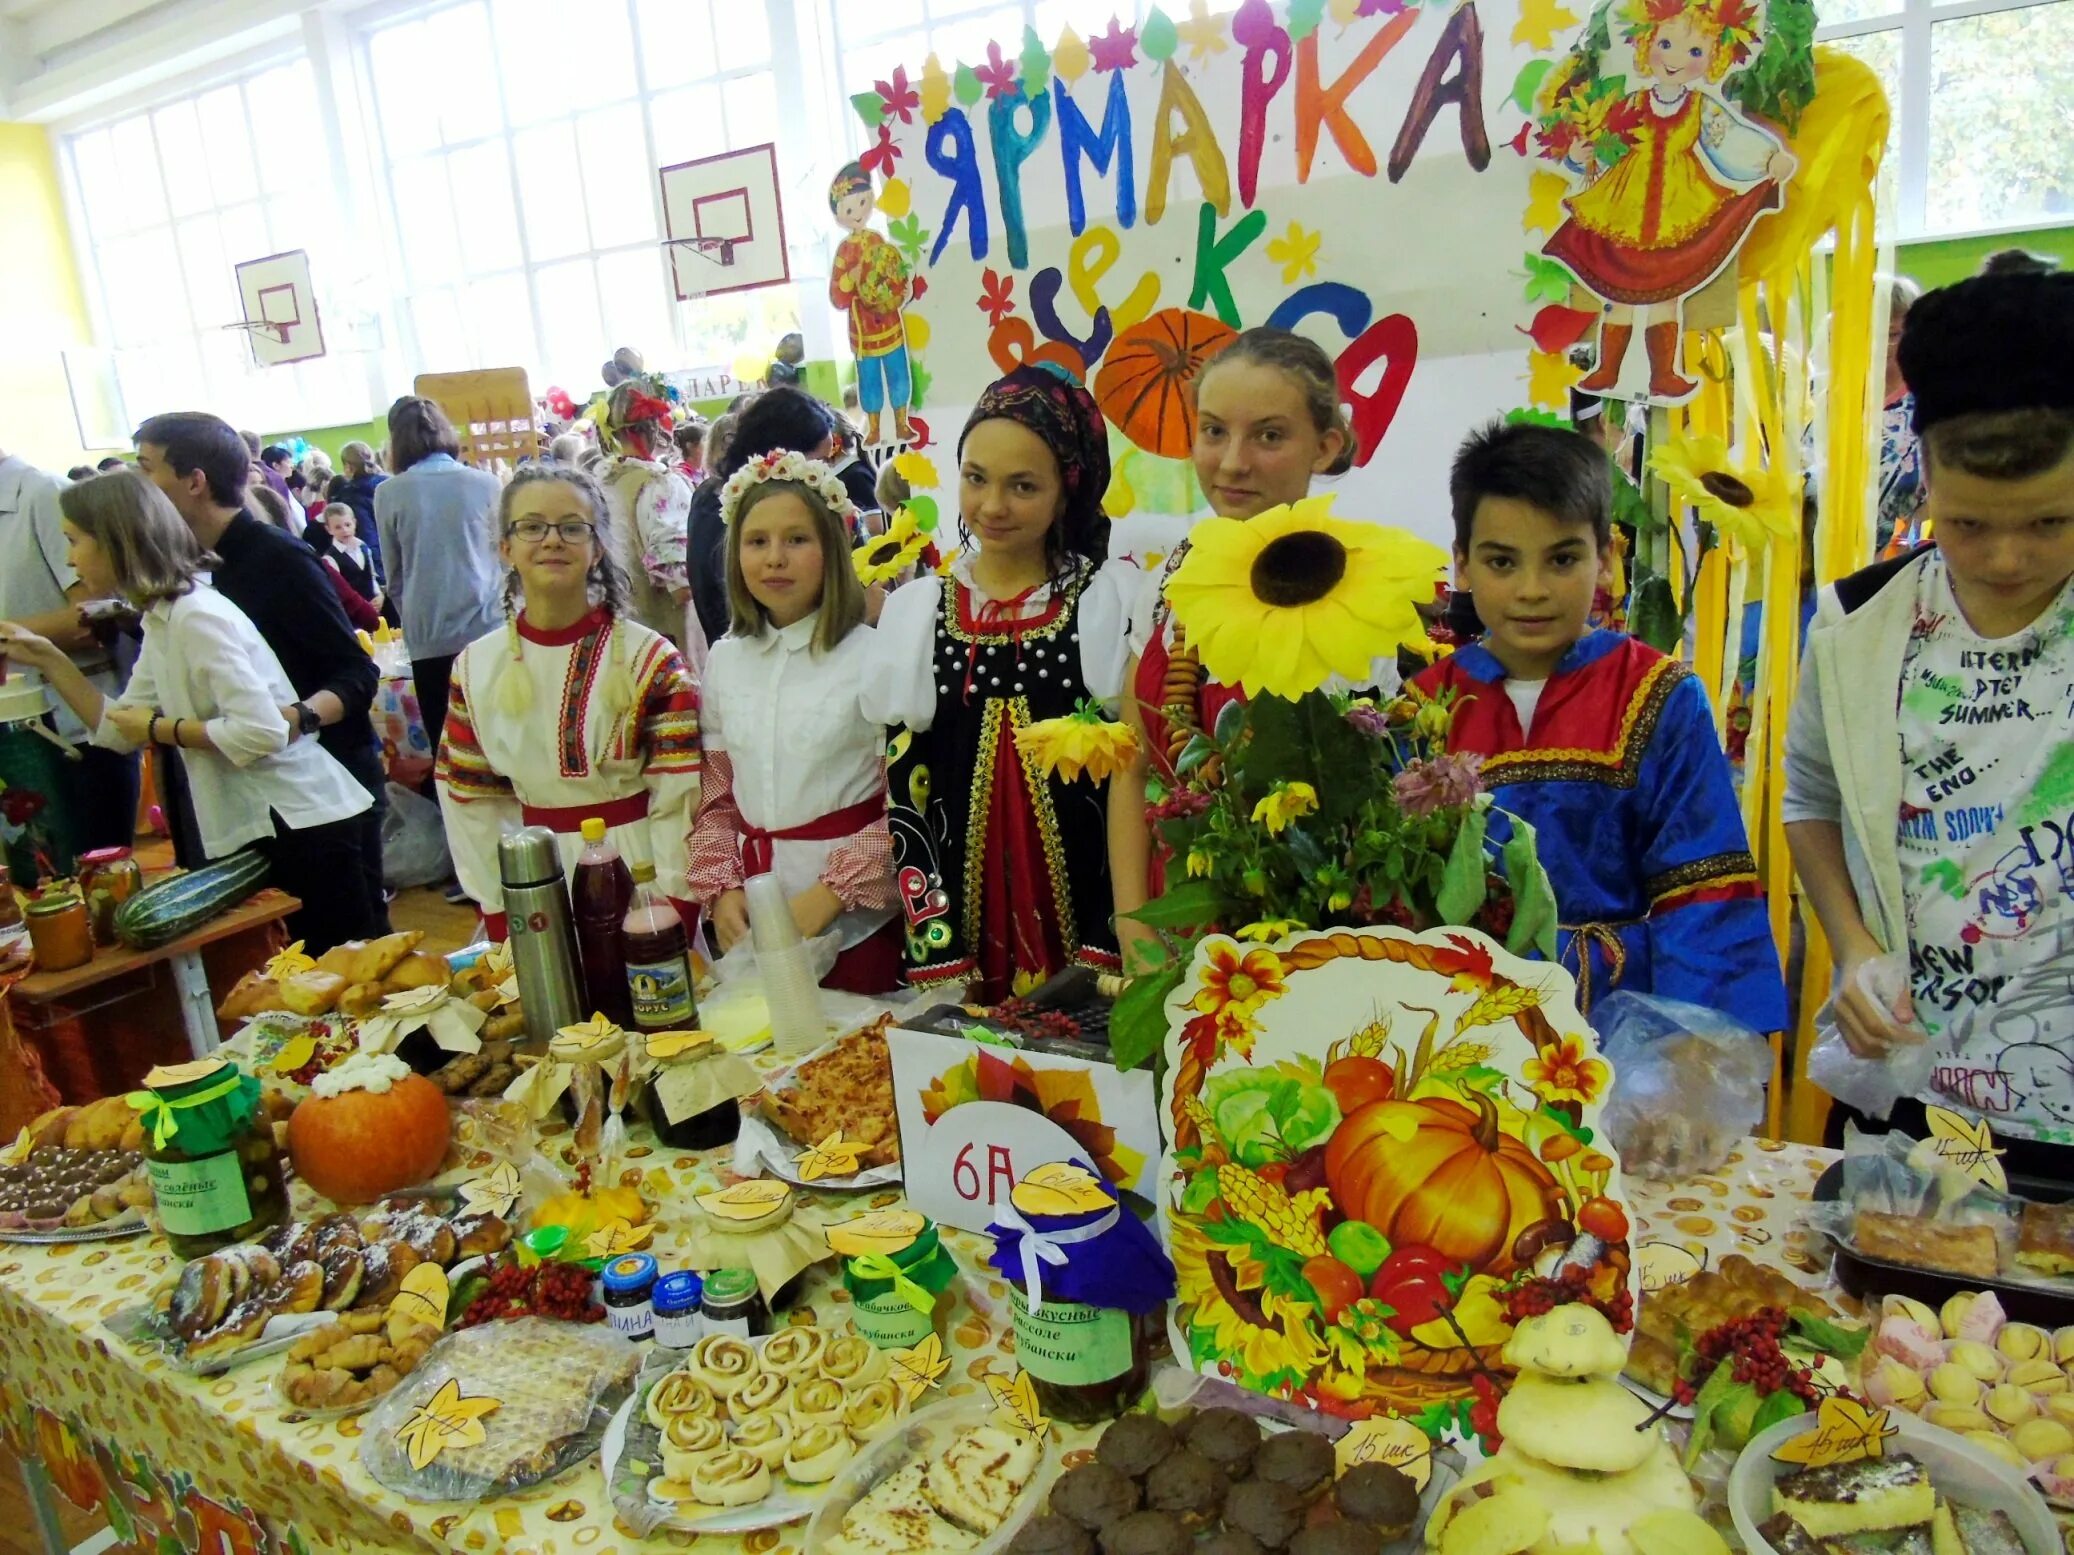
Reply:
x=1752, y=502
x=1082, y=741
x=885, y=557
x=1282, y=602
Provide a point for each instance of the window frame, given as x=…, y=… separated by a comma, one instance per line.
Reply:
x=1907, y=220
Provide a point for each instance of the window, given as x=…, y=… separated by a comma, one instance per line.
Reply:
x=519, y=153
x=1981, y=136
x=166, y=203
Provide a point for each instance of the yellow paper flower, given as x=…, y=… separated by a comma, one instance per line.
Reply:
x=1281, y=603
x=1286, y=802
x=944, y=562
x=885, y=557
x=1566, y=1072
x=1750, y=502
x=1271, y=929
x=1082, y=741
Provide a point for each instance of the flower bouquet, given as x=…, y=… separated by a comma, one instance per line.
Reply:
x=1313, y=804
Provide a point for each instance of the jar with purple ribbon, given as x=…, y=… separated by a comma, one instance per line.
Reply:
x=1091, y=1288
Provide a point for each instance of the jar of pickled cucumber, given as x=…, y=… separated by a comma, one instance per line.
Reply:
x=210, y=1155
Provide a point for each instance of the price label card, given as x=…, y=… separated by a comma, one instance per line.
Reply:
x=976, y=1119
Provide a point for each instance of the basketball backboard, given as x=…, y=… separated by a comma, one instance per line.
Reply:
x=280, y=309
x=726, y=228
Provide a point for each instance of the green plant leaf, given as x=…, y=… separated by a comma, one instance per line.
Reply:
x=1138, y=1023
x=1782, y=1405
x=1654, y=616
x=1231, y=723
x=1528, y=82
x=1715, y=1392
x=1846, y=1344
x=1630, y=507
x=1187, y=905
x=1197, y=751
x=1533, y=898
x=1462, y=886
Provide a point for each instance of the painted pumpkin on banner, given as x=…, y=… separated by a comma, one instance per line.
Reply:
x=1146, y=386
x=1440, y=1174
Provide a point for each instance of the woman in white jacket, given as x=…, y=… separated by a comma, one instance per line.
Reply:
x=207, y=686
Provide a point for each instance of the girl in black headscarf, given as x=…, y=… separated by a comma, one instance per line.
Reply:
x=1003, y=871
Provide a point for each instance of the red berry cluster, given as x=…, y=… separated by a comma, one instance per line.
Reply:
x=556, y=1290
x=330, y=1047
x=1180, y=805
x=1750, y=1345
x=1055, y=1025
x=1536, y=1295
x=1483, y=1414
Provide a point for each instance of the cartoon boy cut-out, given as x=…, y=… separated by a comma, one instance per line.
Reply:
x=1674, y=177
x=870, y=284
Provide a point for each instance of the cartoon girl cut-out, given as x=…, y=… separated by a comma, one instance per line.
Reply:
x=1675, y=176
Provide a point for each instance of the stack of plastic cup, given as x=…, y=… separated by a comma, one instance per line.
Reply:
x=798, y=1022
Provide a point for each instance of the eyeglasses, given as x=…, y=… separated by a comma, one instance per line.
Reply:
x=574, y=531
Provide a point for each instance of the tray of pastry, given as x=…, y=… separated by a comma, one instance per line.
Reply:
x=75, y=1174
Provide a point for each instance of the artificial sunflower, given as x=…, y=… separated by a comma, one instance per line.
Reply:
x=1566, y=1071
x=1082, y=741
x=885, y=557
x=1284, y=803
x=1753, y=503
x=1281, y=603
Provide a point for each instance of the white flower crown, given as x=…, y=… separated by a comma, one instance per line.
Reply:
x=788, y=466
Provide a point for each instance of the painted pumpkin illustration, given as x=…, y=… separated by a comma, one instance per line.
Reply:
x=1439, y=1174
x=1146, y=384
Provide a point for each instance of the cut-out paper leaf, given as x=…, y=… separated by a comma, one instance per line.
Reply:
x=1539, y=22
x=936, y=91
x=446, y=1419
x=1550, y=375
x=616, y=1237
x=1069, y=57
x=1159, y=37
x=998, y=74
x=1845, y=1431
x=1526, y=85
x=918, y=470
x=878, y=1231
x=1388, y=1439
x=423, y=1297
x=1967, y=1145
x=1545, y=191
x=1202, y=32
x=900, y=99
x=1548, y=280
x=871, y=108
x=746, y=1201
x=1116, y=49
x=1296, y=251
x=18, y=1152
x=295, y=1052
x=996, y=294
x=921, y=1368
x=1035, y=61
x=965, y=85
x=1016, y=1402
x=833, y=1156
x=925, y=512
x=1557, y=328
x=494, y=1192
x=1061, y=1188
x=289, y=962
x=896, y=198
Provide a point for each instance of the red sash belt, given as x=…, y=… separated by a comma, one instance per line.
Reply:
x=570, y=817
x=758, y=853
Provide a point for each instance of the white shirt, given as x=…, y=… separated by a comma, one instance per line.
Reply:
x=1526, y=697
x=205, y=662
x=790, y=722
x=1987, y=865
x=34, y=573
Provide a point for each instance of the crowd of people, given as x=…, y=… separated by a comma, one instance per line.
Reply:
x=859, y=741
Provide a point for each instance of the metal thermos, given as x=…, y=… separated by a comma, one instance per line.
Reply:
x=542, y=930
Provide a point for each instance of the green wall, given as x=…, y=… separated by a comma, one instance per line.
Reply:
x=1953, y=259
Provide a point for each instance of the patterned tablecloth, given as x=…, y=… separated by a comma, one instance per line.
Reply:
x=216, y=1464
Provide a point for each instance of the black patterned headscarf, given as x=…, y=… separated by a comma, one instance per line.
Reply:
x=1054, y=404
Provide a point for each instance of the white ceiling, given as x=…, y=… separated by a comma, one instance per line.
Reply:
x=62, y=57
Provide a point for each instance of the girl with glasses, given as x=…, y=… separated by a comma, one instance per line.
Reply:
x=572, y=708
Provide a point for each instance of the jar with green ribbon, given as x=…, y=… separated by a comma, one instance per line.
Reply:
x=209, y=1152
x=899, y=1294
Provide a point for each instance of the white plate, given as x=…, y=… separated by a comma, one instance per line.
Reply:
x=104, y=1231
x=761, y=1149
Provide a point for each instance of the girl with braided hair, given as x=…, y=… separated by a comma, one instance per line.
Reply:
x=1002, y=871
x=572, y=708
x=650, y=503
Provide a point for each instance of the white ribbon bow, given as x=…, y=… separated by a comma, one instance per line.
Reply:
x=1046, y=1246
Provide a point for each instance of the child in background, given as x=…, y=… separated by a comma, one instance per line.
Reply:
x=571, y=709
x=1268, y=421
x=690, y=440
x=342, y=549
x=1929, y=756
x=1003, y=875
x=794, y=775
x=650, y=503
x=1603, y=744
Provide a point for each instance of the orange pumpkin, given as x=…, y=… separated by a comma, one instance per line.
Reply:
x=1440, y=1175
x=1146, y=384
x=358, y=1145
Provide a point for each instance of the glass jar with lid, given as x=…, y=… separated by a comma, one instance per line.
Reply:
x=61, y=932
x=209, y=1153
x=108, y=877
x=900, y=1277
x=695, y=1090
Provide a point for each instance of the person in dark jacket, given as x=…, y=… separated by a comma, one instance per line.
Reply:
x=360, y=473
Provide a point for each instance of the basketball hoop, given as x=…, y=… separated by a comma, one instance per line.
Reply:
x=708, y=248
x=279, y=332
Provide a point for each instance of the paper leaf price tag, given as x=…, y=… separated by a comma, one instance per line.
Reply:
x=834, y=1156
x=1388, y=1439
x=881, y=1231
x=423, y=1297
x=921, y=1368
x=745, y=1201
x=666, y=1045
x=616, y=1237
x=290, y=962
x=295, y=1052
x=1061, y=1188
x=17, y=1152
x=495, y=1192
x=445, y=1420
x=1664, y=1264
x=1845, y=1431
x=1016, y=1402
x=1967, y=1145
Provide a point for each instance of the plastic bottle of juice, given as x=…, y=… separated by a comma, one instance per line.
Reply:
x=656, y=951
x=600, y=892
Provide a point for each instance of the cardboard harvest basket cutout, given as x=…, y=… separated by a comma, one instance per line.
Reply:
x=1378, y=1145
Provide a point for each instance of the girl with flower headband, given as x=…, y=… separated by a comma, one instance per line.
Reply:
x=1003, y=872
x=572, y=708
x=1664, y=218
x=794, y=773
x=651, y=507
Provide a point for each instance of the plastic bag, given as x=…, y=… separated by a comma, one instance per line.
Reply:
x=556, y=1385
x=1873, y=1085
x=413, y=841
x=1688, y=1083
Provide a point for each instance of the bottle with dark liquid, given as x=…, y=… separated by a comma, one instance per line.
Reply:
x=601, y=890
x=656, y=953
